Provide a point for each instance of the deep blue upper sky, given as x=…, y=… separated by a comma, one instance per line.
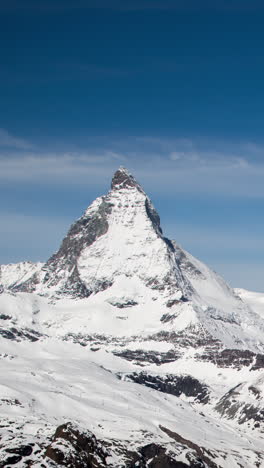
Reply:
x=171, y=89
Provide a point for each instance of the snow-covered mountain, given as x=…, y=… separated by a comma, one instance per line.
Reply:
x=145, y=355
x=16, y=273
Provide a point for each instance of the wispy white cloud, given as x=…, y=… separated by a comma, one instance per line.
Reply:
x=171, y=166
x=166, y=167
x=75, y=168
x=11, y=141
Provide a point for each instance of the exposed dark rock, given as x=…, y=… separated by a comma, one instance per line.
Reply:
x=184, y=263
x=140, y=356
x=172, y=302
x=24, y=450
x=27, y=286
x=12, y=460
x=168, y=318
x=155, y=456
x=172, y=384
x=124, y=304
x=11, y=401
x=153, y=216
x=5, y=317
x=202, y=457
x=255, y=391
x=191, y=337
x=75, y=449
x=82, y=234
x=233, y=407
x=123, y=179
x=259, y=363
x=237, y=358
x=20, y=334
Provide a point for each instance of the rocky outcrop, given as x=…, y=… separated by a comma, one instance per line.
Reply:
x=20, y=334
x=172, y=384
x=82, y=234
x=236, y=358
x=244, y=403
x=202, y=457
x=156, y=456
x=142, y=357
x=16, y=273
x=74, y=448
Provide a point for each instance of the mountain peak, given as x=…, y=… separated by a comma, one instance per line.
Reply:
x=123, y=179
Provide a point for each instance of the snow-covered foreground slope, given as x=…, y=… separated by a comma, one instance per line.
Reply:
x=124, y=334
x=46, y=384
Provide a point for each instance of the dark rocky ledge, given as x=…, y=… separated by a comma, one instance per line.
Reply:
x=141, y=357
x=172, y=384
x=233, y=407
x=83, y=233
x=123, y=179
x=16, y=334
x=203, y=455
x=73, y=448
x=237, y=358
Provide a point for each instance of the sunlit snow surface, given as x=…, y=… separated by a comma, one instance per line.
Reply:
x=161, y=311
x=55, y=382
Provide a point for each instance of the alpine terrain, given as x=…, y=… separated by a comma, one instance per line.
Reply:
x=123, y=350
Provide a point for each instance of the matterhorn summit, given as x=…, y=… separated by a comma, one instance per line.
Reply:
x=123, y=350
x=118, y=238
x=116, y=257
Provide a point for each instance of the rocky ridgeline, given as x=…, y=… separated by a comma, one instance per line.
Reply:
x=72, y=447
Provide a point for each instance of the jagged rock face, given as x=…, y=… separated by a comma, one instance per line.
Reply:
x=75, y=449
x=244, y=403
x=119, y=235
x=173, y=385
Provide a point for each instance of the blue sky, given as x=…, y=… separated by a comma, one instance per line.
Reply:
x=173, y=90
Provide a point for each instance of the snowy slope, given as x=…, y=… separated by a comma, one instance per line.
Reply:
x=124, y=334
x=60, y=383
x=254, y=300
x=17, y=272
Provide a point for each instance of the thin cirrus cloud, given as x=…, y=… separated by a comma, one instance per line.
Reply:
x=177, y=171
x=169, y=165
x=164, y=167
x=10, y=141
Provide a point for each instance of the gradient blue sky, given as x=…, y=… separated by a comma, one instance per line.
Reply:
x=173, y=90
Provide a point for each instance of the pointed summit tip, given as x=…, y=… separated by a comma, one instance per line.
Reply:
x=123, y=179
